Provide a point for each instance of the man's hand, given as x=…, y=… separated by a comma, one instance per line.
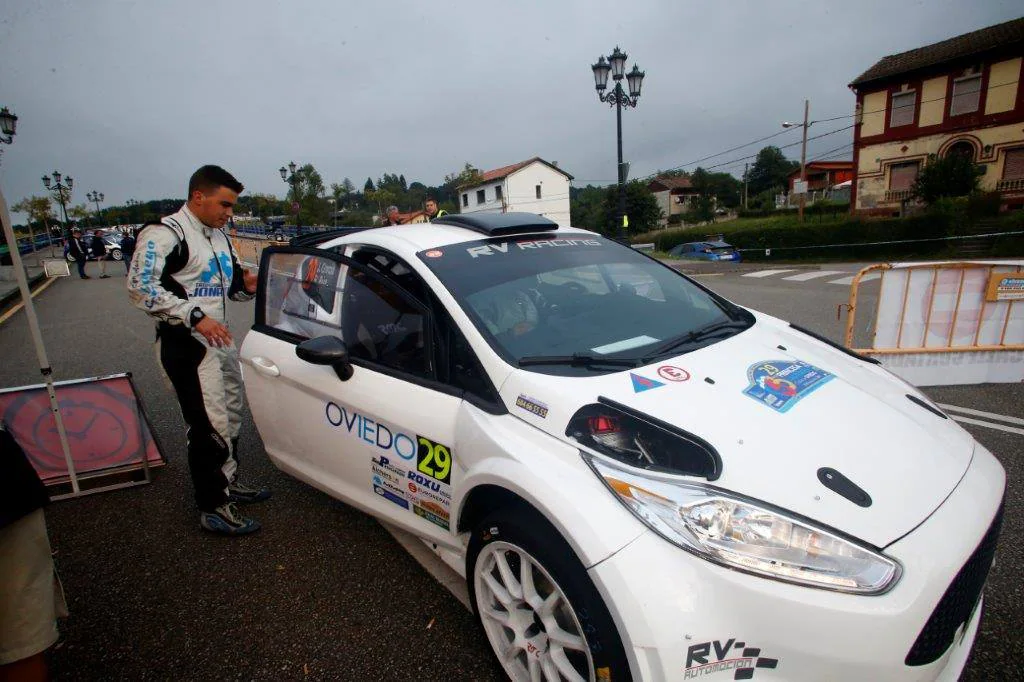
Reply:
x=214, y=332
x=250, y=281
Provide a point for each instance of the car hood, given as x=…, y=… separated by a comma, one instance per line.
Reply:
x=856, y=419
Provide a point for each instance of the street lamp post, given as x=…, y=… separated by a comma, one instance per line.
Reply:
x=293, y=180
x=334, y=216
x=803, y=154
x=616, y=65
x=95, y=197
x=62, y=190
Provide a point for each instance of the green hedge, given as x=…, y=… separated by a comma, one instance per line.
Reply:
x=818, y=208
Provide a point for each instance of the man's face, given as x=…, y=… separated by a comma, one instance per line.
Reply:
x=431, y=207
x=215, y=207
x=393, y=215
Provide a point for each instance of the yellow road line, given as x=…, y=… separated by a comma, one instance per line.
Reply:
x=21, y=304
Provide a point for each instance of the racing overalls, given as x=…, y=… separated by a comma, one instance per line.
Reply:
x=181, y=264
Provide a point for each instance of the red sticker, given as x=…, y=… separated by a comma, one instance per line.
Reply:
x=672, y=373
x=434, y=254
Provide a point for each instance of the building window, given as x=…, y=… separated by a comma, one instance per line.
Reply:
x=961, y=148
x=538, y=191
x=903, y=175
x=480, y=196
x=1013, y=164
x=465, y=200
x=902, y=108
x=966, y=95
x=497, y=192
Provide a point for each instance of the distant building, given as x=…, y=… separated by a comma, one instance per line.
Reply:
x=959, y=96
x=823, y=175
x=534, y=186
x=674, y=194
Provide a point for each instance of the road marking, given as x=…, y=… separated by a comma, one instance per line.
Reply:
x=21, y=304
x=766, y=273
x=989, y=425
x=849, y=280
x=979, y=413
x=804, y=276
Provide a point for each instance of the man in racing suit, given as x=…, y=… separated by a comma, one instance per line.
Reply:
x=182, y=273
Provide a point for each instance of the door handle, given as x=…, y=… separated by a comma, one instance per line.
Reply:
x=265, y=367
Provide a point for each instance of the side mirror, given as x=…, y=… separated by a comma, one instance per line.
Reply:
x=326, y=350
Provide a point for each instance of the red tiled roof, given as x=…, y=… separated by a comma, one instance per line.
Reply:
x=681, y=182
x=823, y=166
x=505, y=171
x=964, y=45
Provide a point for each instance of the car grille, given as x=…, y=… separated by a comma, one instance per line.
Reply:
x=958, y=602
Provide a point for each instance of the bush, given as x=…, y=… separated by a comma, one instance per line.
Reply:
x=675, y=219
x=983, y=205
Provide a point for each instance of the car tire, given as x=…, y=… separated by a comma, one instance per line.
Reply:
x=116, y=254
x=520, y=626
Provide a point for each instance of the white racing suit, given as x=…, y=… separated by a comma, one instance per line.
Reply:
x=181, y=264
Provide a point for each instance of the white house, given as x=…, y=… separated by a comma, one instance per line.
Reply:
x=534, y=185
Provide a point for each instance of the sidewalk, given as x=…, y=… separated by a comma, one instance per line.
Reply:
x=9, y=293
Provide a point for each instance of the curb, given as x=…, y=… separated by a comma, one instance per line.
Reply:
x=14, y=296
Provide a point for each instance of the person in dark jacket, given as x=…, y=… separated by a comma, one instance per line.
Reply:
x=99, y=251
x=433, y=211
x=78, y=251
x=30, y=597
x=127, y=249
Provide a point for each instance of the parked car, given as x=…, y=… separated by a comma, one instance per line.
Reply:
x=706, y=251
x=637, y=478
x=111, y=242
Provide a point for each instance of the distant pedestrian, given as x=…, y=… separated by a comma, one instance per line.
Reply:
x=182, y=275
x=78, y=251
x=127, y=248
x=98, y=249
x=392, y=216
x=433, y=211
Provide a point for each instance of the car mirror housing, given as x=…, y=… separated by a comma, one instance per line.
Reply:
x=326, y=350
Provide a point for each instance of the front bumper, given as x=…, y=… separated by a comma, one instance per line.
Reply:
x=684, y=618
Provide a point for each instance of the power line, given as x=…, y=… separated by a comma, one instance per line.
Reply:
x=762, y=139
x=754, y=156
x=927, y=101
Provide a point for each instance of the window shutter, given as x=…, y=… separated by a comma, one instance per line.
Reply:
x=902, y=175
x=966, y=96
x=1013, y=164
x=902, y=109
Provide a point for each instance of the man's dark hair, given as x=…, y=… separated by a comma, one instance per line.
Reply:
x=430, y=198
x=209, y=178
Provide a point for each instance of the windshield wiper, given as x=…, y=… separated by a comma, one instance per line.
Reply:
x=700, y=334
x=577, y=360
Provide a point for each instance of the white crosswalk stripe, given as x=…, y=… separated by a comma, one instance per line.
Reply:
x=813, y=274
x=766, y=273
x=849, y=280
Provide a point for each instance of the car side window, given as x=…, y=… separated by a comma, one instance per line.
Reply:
x=300, y=295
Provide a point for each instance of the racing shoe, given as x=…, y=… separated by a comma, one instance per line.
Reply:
x=226, y=520
x=245, y=494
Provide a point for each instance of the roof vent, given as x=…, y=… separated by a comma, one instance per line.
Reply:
x=499, y=224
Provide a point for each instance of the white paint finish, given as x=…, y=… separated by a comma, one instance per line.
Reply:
x=766, y=273
x=979, y=413
x=804, y=276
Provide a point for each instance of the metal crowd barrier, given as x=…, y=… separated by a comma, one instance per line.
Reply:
x=945, y=323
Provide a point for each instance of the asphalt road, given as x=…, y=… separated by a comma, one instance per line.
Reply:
x=323, y=592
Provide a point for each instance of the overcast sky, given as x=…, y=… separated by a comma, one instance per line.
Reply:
x=129, y=97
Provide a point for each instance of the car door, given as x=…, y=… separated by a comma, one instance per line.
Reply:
x=380, y=440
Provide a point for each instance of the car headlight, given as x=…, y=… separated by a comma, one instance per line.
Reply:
x=747, y=535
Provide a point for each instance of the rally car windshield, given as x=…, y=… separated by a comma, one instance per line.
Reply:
x=579, y=304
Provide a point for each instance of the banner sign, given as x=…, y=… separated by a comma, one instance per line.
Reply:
x=106, y=427
x=1004, y=287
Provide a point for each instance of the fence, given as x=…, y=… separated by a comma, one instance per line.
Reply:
x=945, y=323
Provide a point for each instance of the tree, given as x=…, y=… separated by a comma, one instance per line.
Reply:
x=368, y=187
x=596, y=208
x=771, y=170
x=954, y=175
x=78, y=213
x=39, y=210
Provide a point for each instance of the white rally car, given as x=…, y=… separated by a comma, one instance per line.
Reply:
x=637, y=478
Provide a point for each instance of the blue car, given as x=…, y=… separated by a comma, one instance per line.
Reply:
x=717, y=251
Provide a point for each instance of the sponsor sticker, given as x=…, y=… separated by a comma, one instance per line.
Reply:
x=434, y=253
x=503, y=247
x=424, y=513
x=390, y=496
x=641, y=384
x=372, y=432
x=434, y=459
x=708, y=658
x=673, y=373
x=781, y=384
x=532, y=406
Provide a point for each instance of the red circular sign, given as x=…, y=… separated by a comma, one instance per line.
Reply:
x=412, y=487
x=672, y=373
x=434, y=254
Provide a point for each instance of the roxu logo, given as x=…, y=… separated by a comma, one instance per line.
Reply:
x=218, y=269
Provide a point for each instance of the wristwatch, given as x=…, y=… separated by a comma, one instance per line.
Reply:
x=195, y=317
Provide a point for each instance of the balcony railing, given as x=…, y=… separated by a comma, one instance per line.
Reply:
x=1010, y=185
x=897, y=194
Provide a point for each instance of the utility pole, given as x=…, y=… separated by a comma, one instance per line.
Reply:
x=803, y=161
x=746, y=167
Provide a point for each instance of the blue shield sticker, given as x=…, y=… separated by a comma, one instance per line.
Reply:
x=780, y=384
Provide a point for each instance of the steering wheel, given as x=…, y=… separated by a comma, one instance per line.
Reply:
x=575, y=287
